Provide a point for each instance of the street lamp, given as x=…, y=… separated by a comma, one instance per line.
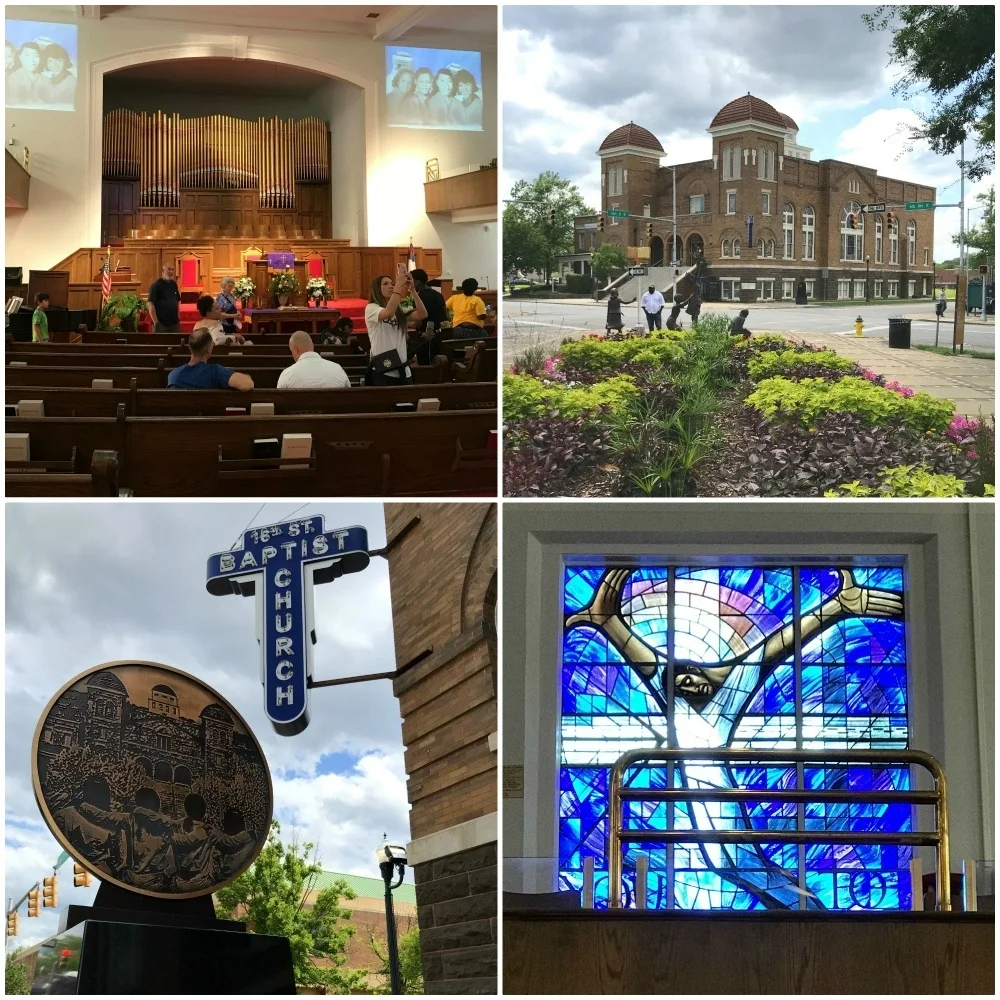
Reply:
x=867, y=285
x=392, y=863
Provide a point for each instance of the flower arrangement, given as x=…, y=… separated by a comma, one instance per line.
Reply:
x=317, y=288
x=283, y=283
x=245, y=287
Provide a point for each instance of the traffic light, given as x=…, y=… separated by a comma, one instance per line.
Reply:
x=552, y=216
x=81, y=877
x=852, y=220
x=33, y=901
x=50, y=891
x=649, y=230
x=600, y=224
x=13, y=924
x=890, y=218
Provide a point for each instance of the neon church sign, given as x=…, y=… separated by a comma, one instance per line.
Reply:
x=279, y=565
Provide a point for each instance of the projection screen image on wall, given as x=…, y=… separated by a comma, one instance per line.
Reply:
x=40, y=59
x=433, y=88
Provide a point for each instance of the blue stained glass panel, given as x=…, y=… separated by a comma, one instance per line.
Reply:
x=737, y=681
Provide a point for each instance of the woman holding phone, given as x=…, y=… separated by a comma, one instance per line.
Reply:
x=386, y=322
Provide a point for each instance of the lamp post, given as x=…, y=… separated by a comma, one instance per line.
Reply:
x=867, y=285
x=392, y=863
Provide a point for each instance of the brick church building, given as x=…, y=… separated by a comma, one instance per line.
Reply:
x=801, y=210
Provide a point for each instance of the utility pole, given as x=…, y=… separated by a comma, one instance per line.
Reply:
x=673, y=242
x=962, y=284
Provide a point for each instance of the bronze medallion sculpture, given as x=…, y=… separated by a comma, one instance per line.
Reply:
x=151, y=780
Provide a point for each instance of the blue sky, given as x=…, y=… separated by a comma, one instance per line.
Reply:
x=87, y=583
x=573, y=74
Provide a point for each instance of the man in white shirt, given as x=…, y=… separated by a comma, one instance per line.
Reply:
x=652, y=303
x=310, y=371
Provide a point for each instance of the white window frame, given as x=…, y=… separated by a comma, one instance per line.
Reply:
x=700, y=210
x=646, y=209
x=731, y=201
x=911, y=242
x=878, y=239
x=615, y=180
x=847, y=235
x=911, y=288
x=878, y=289
x=765, y=289
x=737, y=247
x=733, y=284
x=765, y=203
x=769, y=249
x=923, y=289
x=894, y=243
x=810, y=287
x=725, y=248
x=808, y=233
x=788, y=288
x=760, y=247
x=858, y=289
x=893, y=289
x=927, y=257
x=788, y=230
x=614, y=218
x=843, y=288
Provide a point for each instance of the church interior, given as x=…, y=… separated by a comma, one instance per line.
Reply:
x=748, y=749
x=285, y=157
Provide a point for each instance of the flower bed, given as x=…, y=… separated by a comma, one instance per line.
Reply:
x=698, y=413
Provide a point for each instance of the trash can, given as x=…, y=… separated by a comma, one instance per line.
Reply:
x=899, y=332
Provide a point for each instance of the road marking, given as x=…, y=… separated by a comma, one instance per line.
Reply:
x=533, y=322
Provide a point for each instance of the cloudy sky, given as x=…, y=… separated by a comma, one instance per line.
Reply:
x=87, y=583
x=573, y=74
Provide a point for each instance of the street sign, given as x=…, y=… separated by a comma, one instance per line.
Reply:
x=638, y=272
x=617, y=213
x=916, y=206
x=280, y=564
x=878, y=207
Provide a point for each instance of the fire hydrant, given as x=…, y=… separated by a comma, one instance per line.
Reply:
x=859, y=327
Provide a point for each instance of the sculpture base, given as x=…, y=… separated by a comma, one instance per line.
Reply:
x=102, y=957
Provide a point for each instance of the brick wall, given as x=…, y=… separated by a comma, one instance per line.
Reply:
x=442, y=579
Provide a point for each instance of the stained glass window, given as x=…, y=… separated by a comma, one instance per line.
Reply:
x=809, y=657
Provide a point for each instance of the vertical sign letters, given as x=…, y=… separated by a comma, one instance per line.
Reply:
x=279, y=564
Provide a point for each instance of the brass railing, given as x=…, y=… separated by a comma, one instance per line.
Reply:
x=938, y=838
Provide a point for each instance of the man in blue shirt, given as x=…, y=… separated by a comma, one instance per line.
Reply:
x=202, y=373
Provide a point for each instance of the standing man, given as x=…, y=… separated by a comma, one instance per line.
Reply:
x=39, y=321
x=429, y=341
x=942, y=304
x=652, y=303
x=163, y=302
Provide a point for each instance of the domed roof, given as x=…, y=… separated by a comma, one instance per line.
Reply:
x=631, y=135
x=751, y=108
x=163, y=689
x=216, y=711
x=789, y=121
x=107, y=680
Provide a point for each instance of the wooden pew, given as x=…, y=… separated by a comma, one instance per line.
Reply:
x=101, y=481
x=73, y=440
x=82, y=376
x=69, y=402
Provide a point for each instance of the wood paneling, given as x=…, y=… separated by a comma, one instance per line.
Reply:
x=473, y=190
x=56, y=283
x=774, y=952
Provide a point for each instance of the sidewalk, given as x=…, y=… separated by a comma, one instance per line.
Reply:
x=970, y=382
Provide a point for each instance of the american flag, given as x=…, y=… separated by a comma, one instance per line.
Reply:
x=411, y=261
x=106, y=278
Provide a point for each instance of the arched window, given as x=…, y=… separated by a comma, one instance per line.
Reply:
x=736, y=248
x=760, y=247
x=894, y=242
x=808, y=233
x=911, y=242
x=769, y=249
x=731, y=163
x=788, y=228
x=852, y=241
x=765, y=163
x=725, y=248
x=878, y=239
x=162, y=771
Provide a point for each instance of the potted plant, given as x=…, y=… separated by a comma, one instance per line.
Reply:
x=317, y=290
x=122, y=311
x=283, y=284
x=245, y=289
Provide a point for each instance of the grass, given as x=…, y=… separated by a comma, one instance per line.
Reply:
x=968, y=352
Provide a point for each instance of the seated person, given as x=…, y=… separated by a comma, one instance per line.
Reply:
x=202, y=373
x=336, y=335
x=737, y=329
x=310, y=371
x=211, y=321
x=429, y=332
x=467, y=308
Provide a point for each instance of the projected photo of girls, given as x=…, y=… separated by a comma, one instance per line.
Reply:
x=40, y=65
x=434, y=88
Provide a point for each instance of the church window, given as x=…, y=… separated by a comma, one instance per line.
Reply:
x=911, y=242
x=852, y=241
x=725, y=248
x=788, y=230
x=808, y=233
x=804, y=656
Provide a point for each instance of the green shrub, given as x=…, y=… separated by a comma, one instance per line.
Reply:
x=579, y=284
x=812, y=397
x=605, y=358
x=905, y=481
x=789, y=362
x=525, y=397
x=713, y=323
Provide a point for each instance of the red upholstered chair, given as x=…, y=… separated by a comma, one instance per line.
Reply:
x=189, y=278
x=315, y=266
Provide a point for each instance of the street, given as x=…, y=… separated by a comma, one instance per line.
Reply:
x=548, y=322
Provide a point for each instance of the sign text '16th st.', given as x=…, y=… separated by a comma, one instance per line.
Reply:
x=279, y=564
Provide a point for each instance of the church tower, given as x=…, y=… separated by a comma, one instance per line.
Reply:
x=630, y=157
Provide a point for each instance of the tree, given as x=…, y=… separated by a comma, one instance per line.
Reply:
x=534, y=241
x=15, y=975
x=947, y=50
x=608, y=257
x=270, y=898
x=982, y=237
x=411, y=968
